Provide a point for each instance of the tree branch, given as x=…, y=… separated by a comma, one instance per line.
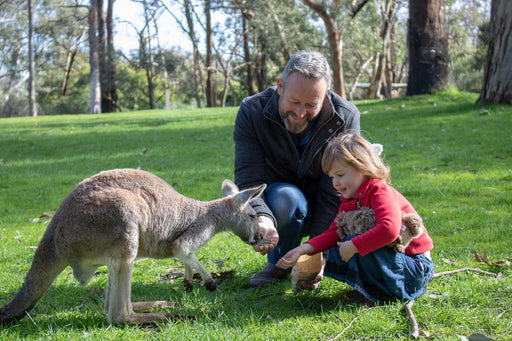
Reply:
x=356, y=7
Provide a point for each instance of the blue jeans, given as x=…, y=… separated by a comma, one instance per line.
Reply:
x=383, y=274
x=290, y=208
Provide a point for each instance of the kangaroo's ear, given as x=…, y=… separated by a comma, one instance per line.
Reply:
x=228, y=188
x=242, y=198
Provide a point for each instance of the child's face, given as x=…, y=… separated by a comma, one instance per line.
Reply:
x=346, y=179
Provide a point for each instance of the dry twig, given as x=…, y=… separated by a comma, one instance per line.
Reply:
x=465, y=269
x=415, y=330
x=344, y=330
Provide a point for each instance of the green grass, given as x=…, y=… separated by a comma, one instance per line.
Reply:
x=451, y=158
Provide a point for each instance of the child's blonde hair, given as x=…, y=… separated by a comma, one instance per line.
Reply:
x=356, y=151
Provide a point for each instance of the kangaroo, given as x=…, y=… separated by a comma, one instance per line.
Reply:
x=118, y=215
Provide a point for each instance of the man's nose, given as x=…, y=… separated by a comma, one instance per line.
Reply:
x=301, y=111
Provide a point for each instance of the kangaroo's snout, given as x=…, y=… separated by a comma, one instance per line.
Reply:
x=256, y=239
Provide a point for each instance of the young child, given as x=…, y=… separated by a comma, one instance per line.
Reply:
x=364, y=261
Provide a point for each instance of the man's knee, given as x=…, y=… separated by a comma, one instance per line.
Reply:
x=287, y=203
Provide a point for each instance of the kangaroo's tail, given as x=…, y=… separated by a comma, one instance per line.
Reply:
x=44, y=269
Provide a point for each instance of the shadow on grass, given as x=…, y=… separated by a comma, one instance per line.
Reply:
x=73, y=307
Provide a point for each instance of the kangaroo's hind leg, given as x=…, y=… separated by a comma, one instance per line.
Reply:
x=118, y=294
x=119, y=306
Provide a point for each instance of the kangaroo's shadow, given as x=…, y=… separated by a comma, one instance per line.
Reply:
x=70, y=305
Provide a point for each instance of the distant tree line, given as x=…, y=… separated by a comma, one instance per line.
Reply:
x=59, y=56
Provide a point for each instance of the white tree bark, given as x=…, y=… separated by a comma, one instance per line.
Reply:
x=95, y=100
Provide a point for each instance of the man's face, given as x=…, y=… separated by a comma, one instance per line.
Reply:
x=301, y=101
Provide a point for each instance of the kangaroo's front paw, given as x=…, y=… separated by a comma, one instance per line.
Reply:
x=211, y=286
x=188, y=286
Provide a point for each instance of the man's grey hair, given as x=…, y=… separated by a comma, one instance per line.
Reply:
x=310, y=64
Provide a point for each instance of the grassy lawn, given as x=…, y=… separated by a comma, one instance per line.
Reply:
x=451, y=158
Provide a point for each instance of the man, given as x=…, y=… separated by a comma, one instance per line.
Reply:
x=279, y=136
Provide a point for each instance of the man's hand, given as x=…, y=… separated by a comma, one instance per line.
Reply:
x=269, y=235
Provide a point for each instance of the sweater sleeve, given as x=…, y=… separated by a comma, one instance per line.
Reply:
x=249, y=157
x=326, y=240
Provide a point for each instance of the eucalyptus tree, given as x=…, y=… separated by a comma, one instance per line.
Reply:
x=210, y=71
x=335, y=14
x=279, y=30
x=60, y=55
x=94, y=78
x=468, y=26
x=188, y=26
x=382, y=79
x=497, y=82
x=429, y=55
x=246, y=13
x=13, y=58
x=106, y=55
x=227, y=46
x=151, y=12
x=272, y=31
x=31, y=69
x=64, y=48
x=54, y=51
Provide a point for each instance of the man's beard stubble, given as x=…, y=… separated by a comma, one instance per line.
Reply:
x=290, y=128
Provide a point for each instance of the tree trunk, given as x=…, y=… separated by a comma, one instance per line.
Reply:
x=95, y=100
x=149, y=58
x=210, y=88
x=429, y=58
x=31, y=68
x=247, y=54
x=334, y=36
x=70, y=59
x=191, y=34
x=497, y=82
x=111, y=92
x=375, y=88
x=102, y=56
x=382, y=79
x=263, y=70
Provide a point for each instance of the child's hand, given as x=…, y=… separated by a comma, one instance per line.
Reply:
x=347, y=250
x=291, y=257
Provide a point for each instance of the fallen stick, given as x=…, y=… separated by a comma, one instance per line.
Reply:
x=415, y=330
x=465, y=269
x=344, y=330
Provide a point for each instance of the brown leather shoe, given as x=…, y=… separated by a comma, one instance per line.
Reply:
x=269, y=274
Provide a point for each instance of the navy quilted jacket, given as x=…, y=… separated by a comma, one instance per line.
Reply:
x=266, y=153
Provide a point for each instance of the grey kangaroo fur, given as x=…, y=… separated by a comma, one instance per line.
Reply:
x=116, y=216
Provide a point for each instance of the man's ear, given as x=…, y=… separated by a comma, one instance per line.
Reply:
x=279, y=82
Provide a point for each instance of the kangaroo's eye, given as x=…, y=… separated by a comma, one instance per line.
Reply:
x=252, y=215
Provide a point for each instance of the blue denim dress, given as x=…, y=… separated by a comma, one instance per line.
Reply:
x=382, y=275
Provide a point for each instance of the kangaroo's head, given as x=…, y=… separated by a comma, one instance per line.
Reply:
x=243, y=221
